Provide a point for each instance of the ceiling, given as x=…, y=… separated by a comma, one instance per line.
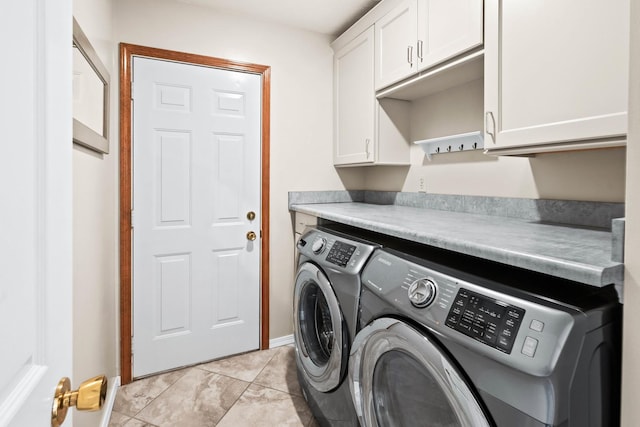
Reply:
x=322, y=16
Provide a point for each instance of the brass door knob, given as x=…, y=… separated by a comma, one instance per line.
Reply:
x=251, y=236
x=88, y=397
x=251, y=215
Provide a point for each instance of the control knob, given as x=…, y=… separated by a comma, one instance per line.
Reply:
x=422, y=292
x=318, y=245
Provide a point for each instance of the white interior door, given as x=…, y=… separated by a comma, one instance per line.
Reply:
x=196, y=176
x=35, y=185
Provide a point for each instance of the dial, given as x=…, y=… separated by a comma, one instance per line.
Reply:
x=318, y=245
x=422, y=292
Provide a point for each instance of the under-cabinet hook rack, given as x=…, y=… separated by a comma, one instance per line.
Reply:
x=452, y=143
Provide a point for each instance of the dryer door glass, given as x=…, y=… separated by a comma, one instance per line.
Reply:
x=399, y=376
x=404, y=391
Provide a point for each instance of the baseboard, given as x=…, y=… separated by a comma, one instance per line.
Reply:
x=112, y=389
x=280, y=341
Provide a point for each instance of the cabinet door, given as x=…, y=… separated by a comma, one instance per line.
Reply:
x=354, y=99
x=555, y=71
x=396, y=44
x=447, y=28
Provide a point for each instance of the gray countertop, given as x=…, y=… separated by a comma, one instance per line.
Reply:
x=575, y=253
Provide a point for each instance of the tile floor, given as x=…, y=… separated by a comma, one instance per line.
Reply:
x=254, y=389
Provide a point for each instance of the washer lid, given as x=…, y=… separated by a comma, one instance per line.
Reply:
x=399, y=375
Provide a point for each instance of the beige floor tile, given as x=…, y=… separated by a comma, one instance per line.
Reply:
x=118, y=420
x=261, y=406
x=245, y=367
x=137, y=423
x=280, y=372
x=199, y=398
x=131, y=398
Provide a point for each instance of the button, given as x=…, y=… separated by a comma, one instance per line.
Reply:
x=464, y=325
x=452, y=321
x=504, y=343
x=529, y=346
x=477, y=332
x=537, y=325
x=506, y=332
x=514, y=314
x=490, y=337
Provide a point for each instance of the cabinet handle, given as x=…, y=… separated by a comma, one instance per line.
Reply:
x=420, y=57
x=410, y=55
x=489, y=114
x=366, y=146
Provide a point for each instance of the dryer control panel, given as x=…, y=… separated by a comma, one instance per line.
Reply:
x=522, y=333
x=490, y=321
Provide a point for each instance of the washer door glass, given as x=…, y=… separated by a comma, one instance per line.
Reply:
x=404, y=391
x=318, y=329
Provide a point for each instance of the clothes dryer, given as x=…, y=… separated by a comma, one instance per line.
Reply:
x=450, y=340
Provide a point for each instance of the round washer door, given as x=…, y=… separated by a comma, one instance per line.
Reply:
x=319, y=329
x=397, y=376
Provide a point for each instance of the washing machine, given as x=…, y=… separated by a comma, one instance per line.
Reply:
x=450, y=340
x=325, y=316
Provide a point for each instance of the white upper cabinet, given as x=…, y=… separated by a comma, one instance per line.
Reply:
x=556, y=74
x=367, y=131
x=354, y=101
x=396, y=37
x=447, y=28
x=418, y=34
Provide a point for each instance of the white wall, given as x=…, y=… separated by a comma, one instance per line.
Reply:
x=631, y=336
x=589, y=175
x=301, y=99
x=95, y=214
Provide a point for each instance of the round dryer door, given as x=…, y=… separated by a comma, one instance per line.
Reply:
x=319, y=329
x=398, y=375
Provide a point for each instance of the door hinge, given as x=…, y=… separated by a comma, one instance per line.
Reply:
x=133, y=90
x=131, y=219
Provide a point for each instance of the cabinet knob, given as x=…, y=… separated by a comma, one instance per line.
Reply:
x=410, y=55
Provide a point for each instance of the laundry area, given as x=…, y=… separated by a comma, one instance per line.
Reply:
x=321, y=213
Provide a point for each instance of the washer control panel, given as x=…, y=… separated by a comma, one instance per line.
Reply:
x=492, y=322
x=340, y=253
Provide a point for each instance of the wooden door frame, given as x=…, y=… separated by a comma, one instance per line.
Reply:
x=127, y=52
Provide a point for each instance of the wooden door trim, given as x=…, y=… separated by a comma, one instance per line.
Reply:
x=127, y=51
